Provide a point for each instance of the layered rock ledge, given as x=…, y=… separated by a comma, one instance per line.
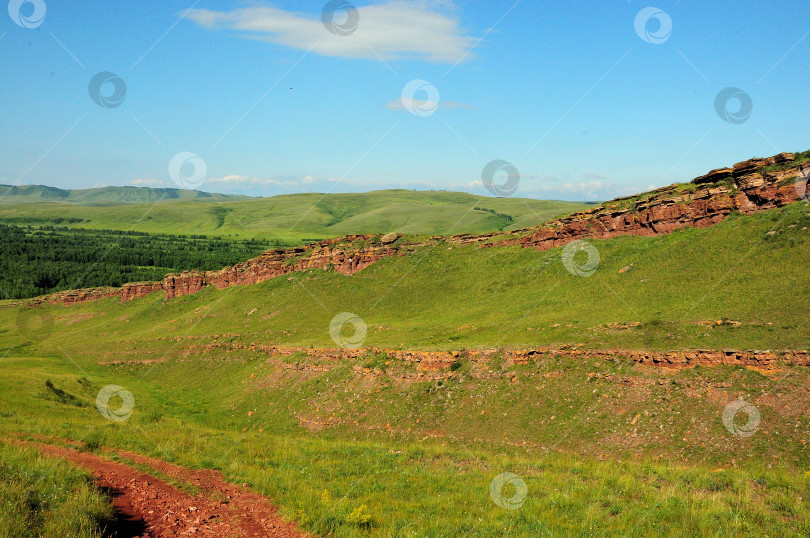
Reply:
x=444, y=361
x=748, y=187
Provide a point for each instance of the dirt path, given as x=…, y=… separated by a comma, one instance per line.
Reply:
x=147, y=506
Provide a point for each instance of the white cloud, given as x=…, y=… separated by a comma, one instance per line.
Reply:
x=239, y=180
x=236, y=179
x=150, y=182
x=415, y=30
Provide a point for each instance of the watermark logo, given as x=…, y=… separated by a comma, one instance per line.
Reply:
x=34, y=324
x=499, y=169
x=359, y=330
x=733, y=425
x=729, y=113
x=122, y=412
x=27, y=13
x=499, y=489
x=188, y=170
x=653, y=25
x=570, y=258
x=107, y=90
x=420, y=98
x=340, y=17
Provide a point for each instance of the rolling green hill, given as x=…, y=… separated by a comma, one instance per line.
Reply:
x=289, y=218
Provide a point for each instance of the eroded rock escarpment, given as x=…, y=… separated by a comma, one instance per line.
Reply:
x=346, y=255
x=139, y=289
x=444, y=361
x=79, y=296
x=748, y=187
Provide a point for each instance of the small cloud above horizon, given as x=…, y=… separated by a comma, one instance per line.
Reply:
x=422, y=30
x=150, y=182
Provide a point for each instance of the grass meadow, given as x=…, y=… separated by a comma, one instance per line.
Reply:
x=366, y=447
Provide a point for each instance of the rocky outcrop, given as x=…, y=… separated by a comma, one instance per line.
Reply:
x=185, y=283
x=78, y=296
x=747, y=187
x=387, y=239
x=467, y=239
x=442, y=361
x=759, y=360
x=139, y=289
x=346, y=255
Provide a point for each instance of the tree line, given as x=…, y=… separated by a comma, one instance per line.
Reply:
x=47, y=259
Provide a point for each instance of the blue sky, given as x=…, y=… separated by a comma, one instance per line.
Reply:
x=272, y=102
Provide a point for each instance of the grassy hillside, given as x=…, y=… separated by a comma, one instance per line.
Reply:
x=604, y=447
x=600, y=458
x=373, y=447
x=299, y=217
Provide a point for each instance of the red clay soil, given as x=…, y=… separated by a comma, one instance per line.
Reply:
x=149, y=507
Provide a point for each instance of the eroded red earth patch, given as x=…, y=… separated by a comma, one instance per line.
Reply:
x=147, y=506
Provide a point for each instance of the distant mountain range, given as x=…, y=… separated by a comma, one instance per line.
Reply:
x=105, y=195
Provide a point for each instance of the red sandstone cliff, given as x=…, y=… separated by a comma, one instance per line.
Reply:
x=346, y=255
x=139, y=289
x=747, y=187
